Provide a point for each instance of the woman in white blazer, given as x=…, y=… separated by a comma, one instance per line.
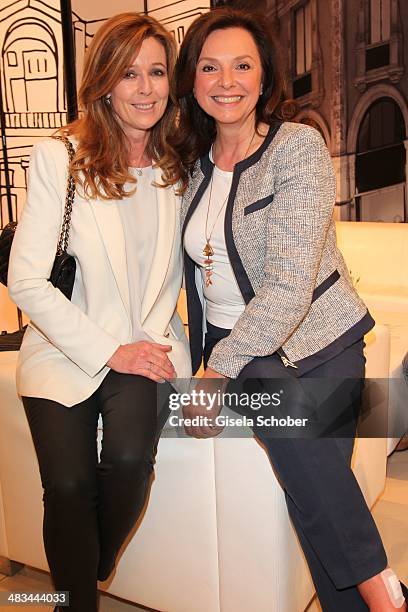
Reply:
x=105, y=350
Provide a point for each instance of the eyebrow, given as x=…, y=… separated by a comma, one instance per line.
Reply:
x=153, y=64
x=214, y=59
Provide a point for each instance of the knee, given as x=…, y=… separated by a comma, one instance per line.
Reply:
x=129, y=463
x=71, y=490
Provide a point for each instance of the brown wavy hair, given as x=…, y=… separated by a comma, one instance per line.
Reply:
x=100, y=165
x=197, y=130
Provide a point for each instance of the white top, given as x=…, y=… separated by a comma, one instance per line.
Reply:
x=224, y=302
x=139, y=218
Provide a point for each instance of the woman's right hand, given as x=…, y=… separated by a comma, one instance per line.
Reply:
x=143, y=358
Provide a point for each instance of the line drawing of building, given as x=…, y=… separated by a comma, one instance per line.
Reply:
x=32, y=86
x=32, y=80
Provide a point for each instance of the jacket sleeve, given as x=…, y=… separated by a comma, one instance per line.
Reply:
x=298, y=221
x=65, y=325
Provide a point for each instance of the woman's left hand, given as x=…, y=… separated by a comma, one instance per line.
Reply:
x=212, y=384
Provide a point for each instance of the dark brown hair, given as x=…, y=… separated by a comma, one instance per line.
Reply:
x=197, y=129
x=100, y=165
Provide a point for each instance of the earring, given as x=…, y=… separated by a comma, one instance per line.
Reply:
x=108, y=99
x=261, y=90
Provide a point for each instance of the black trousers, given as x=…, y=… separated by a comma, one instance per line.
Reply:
x=335, y=528
x=89, y=506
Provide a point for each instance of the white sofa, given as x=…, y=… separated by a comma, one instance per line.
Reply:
x=377, y=256
x=215, y=536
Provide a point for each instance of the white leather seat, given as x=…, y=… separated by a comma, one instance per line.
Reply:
x=377, y=255
x=215, y=536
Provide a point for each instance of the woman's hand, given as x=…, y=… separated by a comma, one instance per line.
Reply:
x=210, y=389
x=143, y=358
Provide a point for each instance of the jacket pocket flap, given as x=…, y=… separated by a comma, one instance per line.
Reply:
x=258, y=204
x=325, y=285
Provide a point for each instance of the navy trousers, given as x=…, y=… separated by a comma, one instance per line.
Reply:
x=335, y=528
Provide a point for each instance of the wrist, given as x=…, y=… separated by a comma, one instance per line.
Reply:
x=112, y=359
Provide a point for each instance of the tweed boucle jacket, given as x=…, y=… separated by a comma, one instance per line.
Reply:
x=281, y=242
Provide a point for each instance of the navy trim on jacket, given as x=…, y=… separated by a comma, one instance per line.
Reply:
x=194, y=307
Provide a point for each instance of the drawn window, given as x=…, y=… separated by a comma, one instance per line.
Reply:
x=36, y=64
x=12, y=59
x=380, y=158
x=303, y=51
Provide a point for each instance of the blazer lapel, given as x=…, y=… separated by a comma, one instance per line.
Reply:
x=166, y=213
x=108, y=220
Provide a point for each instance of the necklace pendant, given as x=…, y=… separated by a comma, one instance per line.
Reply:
x=208, y=274
x=208, y=251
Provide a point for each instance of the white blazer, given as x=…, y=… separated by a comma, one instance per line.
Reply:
x=68, y=343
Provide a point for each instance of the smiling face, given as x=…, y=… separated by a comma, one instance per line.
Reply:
x=140, y=98
x=229, y=76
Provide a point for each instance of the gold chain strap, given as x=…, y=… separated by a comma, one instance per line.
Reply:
x=69, y=198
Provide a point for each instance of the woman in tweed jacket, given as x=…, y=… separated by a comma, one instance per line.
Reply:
x=268, y=292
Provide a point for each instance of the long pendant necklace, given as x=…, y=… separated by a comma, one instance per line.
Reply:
x=208, y=250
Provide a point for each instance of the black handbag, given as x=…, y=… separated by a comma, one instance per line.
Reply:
x=11, y=341
x=63, y=269
x=6, y=240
